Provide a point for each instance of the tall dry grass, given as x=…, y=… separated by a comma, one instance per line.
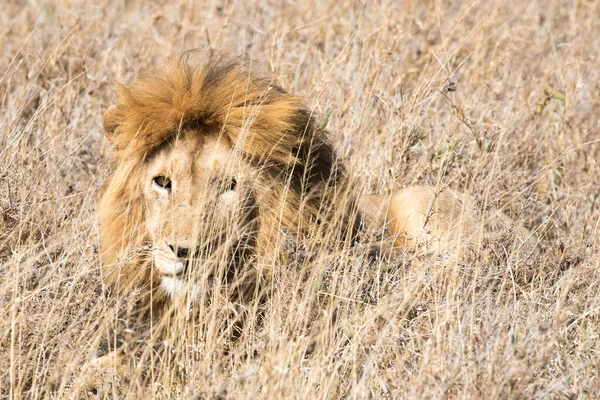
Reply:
x=499, y=99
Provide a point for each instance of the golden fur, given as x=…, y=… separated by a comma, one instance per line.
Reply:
x=240, y=160
x=296, y=168
x=296, y=180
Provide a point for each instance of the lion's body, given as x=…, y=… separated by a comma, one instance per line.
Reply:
x=214, y=162
x=443, y=221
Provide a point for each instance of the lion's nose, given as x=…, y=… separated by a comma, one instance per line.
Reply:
x=180, y=252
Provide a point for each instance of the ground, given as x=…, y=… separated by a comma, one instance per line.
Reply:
x=495, y=98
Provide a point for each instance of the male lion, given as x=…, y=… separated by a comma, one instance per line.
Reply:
x=213, y=162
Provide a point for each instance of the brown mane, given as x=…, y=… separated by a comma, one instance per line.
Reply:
x=273, y=129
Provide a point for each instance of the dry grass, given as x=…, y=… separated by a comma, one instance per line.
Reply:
x=497, y=98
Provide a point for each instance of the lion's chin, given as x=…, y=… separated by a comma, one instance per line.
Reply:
x=180, y=284
x=180, y=289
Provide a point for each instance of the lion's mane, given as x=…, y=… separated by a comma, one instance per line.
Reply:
x=273, y=129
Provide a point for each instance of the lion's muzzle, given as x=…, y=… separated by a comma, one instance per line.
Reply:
x=184, y=269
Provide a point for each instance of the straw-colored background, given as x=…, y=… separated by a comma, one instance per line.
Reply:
x=496, y=98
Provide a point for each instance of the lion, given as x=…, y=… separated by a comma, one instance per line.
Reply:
x=214, y=163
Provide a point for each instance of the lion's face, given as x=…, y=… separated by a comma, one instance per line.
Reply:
x=200, y=211
x=212, y=162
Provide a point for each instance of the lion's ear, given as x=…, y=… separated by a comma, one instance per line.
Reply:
x=112, y=120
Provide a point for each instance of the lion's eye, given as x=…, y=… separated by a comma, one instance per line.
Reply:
x=162, y=182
